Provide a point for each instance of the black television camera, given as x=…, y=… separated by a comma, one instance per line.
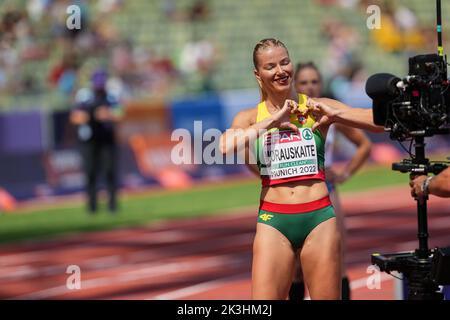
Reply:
x=416, y=107
x=418, y=104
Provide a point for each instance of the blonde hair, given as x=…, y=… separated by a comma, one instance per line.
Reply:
x=261, y=45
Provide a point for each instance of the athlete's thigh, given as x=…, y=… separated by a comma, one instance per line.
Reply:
x=298, y=274
x=335, y=200
x=321, y=261
x=334, y=196
x=273, y=264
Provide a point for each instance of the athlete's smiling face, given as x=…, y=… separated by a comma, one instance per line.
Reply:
x=274, y=69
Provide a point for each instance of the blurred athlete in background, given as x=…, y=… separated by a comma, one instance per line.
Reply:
x=308, y=80
x=296, y=219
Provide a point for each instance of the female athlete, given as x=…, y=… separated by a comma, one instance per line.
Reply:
x=295, y=217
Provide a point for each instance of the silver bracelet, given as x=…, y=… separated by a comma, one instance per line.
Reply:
x=425, y=185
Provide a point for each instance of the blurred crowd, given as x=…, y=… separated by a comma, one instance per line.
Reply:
x=401, y=29
x=401, y=33
x=35, y=37
x=39, y=54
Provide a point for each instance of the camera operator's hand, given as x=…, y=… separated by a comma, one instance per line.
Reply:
x=438, y=185
x=417, y=187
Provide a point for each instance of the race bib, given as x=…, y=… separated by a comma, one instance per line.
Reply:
x=289, y=154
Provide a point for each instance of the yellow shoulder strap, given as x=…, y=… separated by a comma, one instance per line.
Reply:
x=302, y=98
x=263, y=113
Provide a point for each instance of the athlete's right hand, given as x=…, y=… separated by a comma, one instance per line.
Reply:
x=281, y=119
x=79, y=117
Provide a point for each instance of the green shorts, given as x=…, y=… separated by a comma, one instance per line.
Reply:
x=296, y=221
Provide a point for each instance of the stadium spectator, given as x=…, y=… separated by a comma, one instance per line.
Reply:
x=400, y=29
x=348, y=85
x=108, y=6
x=64, y=74
x=198, y=58
x=308, y=80
x=326, y=2
x=37, y=8
x=342, y=44
x=199, y=11
x=95, y=115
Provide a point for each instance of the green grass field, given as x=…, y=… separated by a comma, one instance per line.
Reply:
x=140, y=209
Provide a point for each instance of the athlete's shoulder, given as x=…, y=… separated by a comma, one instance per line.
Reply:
x=322, y=99
x=245, y=117
x=332, y=103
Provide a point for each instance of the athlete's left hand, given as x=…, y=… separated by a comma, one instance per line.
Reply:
x=336, y=176
x=322, y=112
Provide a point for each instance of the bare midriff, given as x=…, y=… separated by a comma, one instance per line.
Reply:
x=295, y=192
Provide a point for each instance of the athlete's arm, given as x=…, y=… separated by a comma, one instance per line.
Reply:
x=329, y=111
x=245, y=130
x=247, y=117
x=363, y=144
x=253, y=168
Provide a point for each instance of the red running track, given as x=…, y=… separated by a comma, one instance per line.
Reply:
x=205, y=258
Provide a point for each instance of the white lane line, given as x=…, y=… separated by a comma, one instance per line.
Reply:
x=214, y=245
x=375, y=222
x=439, y=223
x=20, y=272
x=214, y=284
x=151, y=271
x=22, y=258
x=23, y=272
x=32, y=255
x=362, y=282
x=219, y=217
x=177, y=235
x=103, y=262
x=413, y=244
x=380, y=222
x=41, y=255
x=199, y=288
x=372, y=205
x=113, y=261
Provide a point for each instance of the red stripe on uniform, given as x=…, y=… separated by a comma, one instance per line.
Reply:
x=295, y=208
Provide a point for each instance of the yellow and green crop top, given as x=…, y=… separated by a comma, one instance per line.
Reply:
x=285, y=156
